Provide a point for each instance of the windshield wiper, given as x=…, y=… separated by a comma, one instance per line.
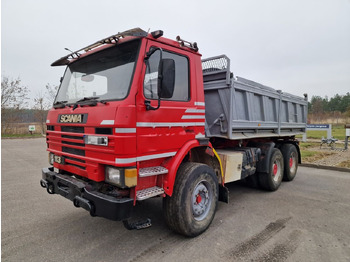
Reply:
x=88, y=101
x=59, y=104
x=88, y=98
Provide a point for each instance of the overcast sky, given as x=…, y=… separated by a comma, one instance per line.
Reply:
x=299, y=46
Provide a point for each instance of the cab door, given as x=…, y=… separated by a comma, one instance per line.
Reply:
x=161, y=132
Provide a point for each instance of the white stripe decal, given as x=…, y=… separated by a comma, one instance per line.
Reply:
x=143, y=158
x=125, y=130
x=125, y=160
x=193, y=117
x=199, y=103
x=169, y=124
x=149, y=157
x=107, y=122
x=190, y=110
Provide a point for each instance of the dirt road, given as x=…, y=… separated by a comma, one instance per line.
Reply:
x=305, y=220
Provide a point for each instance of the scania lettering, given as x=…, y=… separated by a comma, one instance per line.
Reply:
x=139, y=116
x=70, y=119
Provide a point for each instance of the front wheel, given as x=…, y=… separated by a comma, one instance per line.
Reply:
x=191, y=208
x=272, y=180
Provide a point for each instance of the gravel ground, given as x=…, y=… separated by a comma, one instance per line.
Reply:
x=337, y=155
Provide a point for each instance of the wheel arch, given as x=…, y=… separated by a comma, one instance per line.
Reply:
x=192, y=151
x=207, y=155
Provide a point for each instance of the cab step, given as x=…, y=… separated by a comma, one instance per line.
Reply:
x=149, y=192
x=152, y=171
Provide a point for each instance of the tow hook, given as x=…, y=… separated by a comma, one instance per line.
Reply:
x=49, y=187
x=140, y=224
x=43, y=183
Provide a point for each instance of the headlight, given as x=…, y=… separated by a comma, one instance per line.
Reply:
x=96, y=140
x=115, y=176
x=121, y=177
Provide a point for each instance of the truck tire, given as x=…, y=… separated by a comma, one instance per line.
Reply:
x=272, y=180
x=290, y=156
x=191, y=208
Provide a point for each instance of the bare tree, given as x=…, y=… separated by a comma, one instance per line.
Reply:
x=347, y=113
x=41, y=106
x=13, y=93
x=42, y=103
x=51, y=92
x=13, y=100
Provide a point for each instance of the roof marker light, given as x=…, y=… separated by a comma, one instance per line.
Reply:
x=157, y=34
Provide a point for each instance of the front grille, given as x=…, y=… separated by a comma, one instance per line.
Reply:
x=81, y=167
x=72, y=129
x=78, y=138
x=103, y=131
x=75, y=159
x=73, y=151
x=72, y=143
x=73, y=137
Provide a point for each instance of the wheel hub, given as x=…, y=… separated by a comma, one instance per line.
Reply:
x=275, y=169
x=292, y=163
x=201, y=200
x=198, y=199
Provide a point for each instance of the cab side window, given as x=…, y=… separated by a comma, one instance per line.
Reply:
x=181, y=90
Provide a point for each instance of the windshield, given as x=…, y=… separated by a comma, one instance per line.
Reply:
x=105, y=75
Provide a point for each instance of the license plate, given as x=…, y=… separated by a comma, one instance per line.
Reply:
x=58, y=159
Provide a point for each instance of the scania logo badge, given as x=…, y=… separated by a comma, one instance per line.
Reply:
x=72, y=118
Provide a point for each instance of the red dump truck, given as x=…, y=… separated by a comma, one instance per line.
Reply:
x=138, y=116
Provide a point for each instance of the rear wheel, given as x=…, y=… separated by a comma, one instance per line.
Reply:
x=272, y=180
x=290, y=156
x=191, y=209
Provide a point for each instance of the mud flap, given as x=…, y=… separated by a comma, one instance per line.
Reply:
x=223, y=194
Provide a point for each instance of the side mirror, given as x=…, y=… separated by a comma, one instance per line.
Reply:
x=166, y=78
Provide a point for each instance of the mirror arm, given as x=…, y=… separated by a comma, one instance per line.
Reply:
x=148, y=55
x=149, y=107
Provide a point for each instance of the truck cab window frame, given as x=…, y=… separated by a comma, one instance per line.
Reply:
x=182, y=77
x=106, y=74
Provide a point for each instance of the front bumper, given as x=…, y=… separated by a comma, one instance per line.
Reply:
x=83, y=195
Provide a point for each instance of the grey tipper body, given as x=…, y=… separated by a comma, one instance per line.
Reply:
x=237, y=108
